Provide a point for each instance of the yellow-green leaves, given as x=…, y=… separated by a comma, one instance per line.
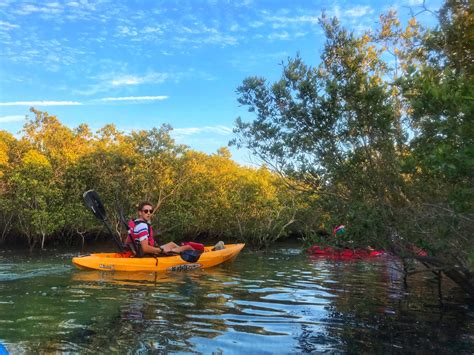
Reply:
x=44, y=173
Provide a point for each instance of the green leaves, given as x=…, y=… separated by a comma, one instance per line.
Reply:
x=43, y=178
x=387, y=148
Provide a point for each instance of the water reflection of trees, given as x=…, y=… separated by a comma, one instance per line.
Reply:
x=374, y=313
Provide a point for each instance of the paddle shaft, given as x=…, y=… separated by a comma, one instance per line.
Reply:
x=117, y=240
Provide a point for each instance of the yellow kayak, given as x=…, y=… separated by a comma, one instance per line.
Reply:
x=116, y=262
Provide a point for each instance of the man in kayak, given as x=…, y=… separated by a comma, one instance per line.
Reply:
x=141, y=232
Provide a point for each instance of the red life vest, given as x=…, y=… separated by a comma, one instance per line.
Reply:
x=133, y=241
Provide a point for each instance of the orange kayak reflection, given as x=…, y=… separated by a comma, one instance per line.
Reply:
x=145, y=278
x=116, y=262
x=122, y=277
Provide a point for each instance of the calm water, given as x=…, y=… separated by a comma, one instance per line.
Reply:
x=281, y=301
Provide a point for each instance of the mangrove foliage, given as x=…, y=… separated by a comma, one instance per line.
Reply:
x=382, y=132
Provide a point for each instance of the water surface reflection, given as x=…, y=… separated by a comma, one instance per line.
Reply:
x=282, y=301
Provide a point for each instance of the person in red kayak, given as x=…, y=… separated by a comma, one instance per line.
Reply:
x=338, y=233
x=141, y=232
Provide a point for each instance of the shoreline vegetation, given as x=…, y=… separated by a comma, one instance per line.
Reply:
x=197, y=196
x=378, y=137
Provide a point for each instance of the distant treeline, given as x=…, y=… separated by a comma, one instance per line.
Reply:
x=44, y=173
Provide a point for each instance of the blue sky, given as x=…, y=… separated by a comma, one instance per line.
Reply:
x=139, y=64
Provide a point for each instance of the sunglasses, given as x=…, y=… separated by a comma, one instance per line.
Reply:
x=147, y=211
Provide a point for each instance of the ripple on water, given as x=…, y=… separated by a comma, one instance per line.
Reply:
x=12, y=272
x=289, y=304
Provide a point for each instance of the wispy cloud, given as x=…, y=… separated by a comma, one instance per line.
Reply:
x=112, y=81
x=76, y=103
x=283, y=36
x=13, y=118
x=155, y=78
x=72, y=10
x=219, y=129
x=359, y=11
x=127, y=31
x=133, y=98
x=285, y=20
x=414, y=2
x=349, y=13
x=41, y=103
x=126, y=81
x=49, y=9
x=7, y=25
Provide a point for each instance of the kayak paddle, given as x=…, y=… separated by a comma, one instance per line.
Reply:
x=92, y=200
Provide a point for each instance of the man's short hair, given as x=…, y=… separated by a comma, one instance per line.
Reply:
x=143, y=204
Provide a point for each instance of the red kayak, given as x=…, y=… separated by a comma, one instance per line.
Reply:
x=344, y=253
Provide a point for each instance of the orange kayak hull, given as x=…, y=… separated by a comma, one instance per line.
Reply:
x=117, y=262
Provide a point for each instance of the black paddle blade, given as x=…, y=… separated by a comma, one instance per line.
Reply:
x=191, y=256
x=92, y=200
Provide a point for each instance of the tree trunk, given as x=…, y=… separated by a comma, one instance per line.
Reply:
x=82, y=237
x=459, y=275
x=32, y=243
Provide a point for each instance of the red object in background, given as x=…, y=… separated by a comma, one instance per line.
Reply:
x=345, y=253
x=420, y=252
x=195, y=246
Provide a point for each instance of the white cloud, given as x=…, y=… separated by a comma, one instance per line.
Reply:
x=134, y=98
x=154, y=29
x=52, y=8
x=415, y=2
x=155, y=78
x=7, y=25
x=221, y=39
x=279, y=36
x=285, y=20
x=359, y=11
x=41, y=103
x=243, y=3
x=130, y=80
x=13, y=118
x=74, y=103
x=219, y=129
x=28, y=9
x=127, y=31
x=107, y=82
